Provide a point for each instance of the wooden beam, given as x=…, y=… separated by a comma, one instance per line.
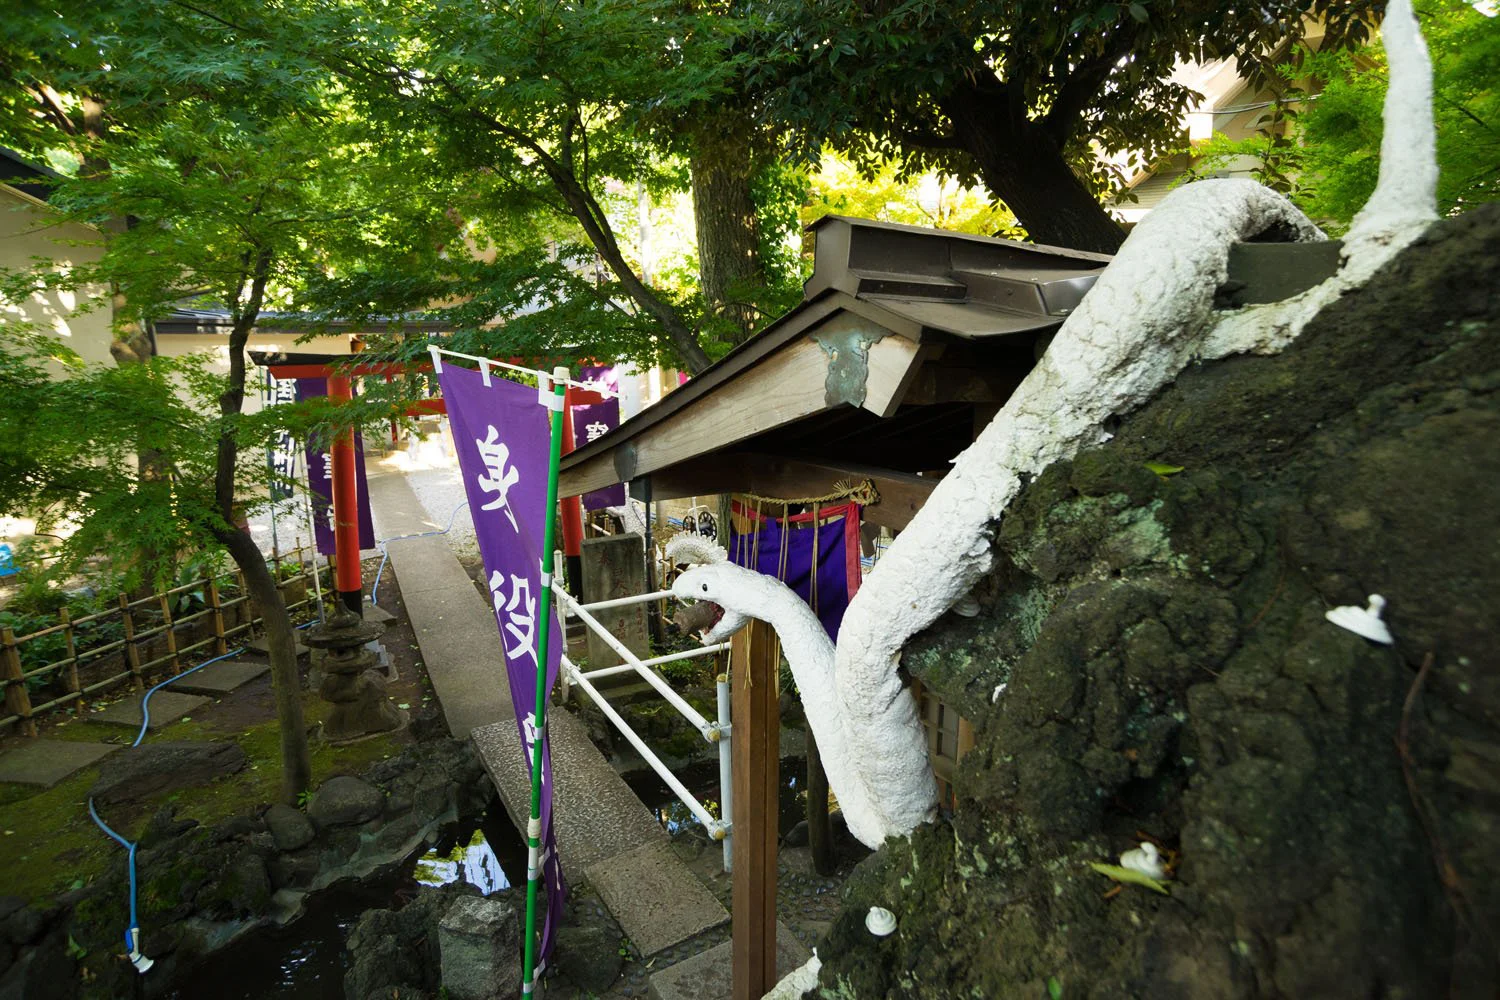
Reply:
x=785, y=387
x=755, y=748
x=901, y=493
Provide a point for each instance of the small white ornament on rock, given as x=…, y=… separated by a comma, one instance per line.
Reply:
x=1145, y=859
x=880, y=921
x=967, y=606
x=1363, y=621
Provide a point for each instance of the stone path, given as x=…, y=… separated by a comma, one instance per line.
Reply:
x=455, y=628
x=604, y=832
x=46, y=762
x=166, y=707
x=216, y=679
x=708, y=975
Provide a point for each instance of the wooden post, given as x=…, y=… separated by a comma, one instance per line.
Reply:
x=171, y=633
x=819, y=836
x=132, y=654
x=756, y=750
x=70, y=679
x=17, y=698
x=220, y=645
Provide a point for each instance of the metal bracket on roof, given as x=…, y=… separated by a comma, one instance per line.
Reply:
x=848, y=353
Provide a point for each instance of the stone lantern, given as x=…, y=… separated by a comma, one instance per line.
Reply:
x=356, y=691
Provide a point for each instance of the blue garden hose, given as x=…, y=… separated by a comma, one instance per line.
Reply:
x=385, y=553
x=133, y=932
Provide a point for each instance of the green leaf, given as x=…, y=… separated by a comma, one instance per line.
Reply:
x=1054, y=988
x=75, y=950
x=1162, y=469
x=1139, y=13
x=1129, y=875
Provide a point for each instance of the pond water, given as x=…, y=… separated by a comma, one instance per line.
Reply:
x=306, y=960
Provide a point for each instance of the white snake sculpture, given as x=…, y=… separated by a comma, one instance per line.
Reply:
x=1149, y=315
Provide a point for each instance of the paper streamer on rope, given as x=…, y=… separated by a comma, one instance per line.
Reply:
x=837, y=539
x=502, y=438
x=281, y=456
x=320, y=480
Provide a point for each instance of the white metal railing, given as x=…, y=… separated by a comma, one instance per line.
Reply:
x=691, y=654
x=717, y=732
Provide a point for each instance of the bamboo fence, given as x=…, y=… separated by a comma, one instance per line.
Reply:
x=150, y=644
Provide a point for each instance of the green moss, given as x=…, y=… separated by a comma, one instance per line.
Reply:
x=53, y=843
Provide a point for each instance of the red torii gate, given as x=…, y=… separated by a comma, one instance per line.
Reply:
x=339, y=370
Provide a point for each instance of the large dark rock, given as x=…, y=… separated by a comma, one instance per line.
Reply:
x=344, y=801
x=289, y=827
x=1152, y=659
x=41, y=972
x=396, y=952
x=479, y=942
x=161, y=767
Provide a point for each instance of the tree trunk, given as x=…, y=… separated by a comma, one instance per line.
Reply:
x=286, y=682
x=729, y=262
x=596, y=227
x=1025, y=168
x=296, y=765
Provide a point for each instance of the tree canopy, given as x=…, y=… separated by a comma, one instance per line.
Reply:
x=1019, y=96
x=1321, y=143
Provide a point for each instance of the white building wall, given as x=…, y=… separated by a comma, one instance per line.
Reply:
x=28, y=229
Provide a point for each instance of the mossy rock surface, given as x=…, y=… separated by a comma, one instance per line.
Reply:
x=1152, y=659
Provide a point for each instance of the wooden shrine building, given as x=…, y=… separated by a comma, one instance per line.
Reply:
x=906, y=343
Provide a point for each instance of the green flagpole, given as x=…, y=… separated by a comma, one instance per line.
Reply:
x=534, y=828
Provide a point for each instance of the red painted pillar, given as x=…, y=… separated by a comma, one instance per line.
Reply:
x=347, y=581
x=572, y=511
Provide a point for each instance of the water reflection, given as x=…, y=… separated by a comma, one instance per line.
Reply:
x=473, y=862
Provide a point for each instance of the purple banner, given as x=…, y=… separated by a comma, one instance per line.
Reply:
x=592, y=421
x=320, y=481
x=786, y=552
x=502, y=437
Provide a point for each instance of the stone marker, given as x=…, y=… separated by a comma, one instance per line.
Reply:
x=480, y=943
x=166, y=706
x=46, y=762
x=614, y=566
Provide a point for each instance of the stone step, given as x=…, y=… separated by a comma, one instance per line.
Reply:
x=656, y=899
x=217, y=679
x=603, y=830
x=262, y=645
x=45, y=762
x=166, y=707
x=595, y=813
x=709, y=975
x=605, y=833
